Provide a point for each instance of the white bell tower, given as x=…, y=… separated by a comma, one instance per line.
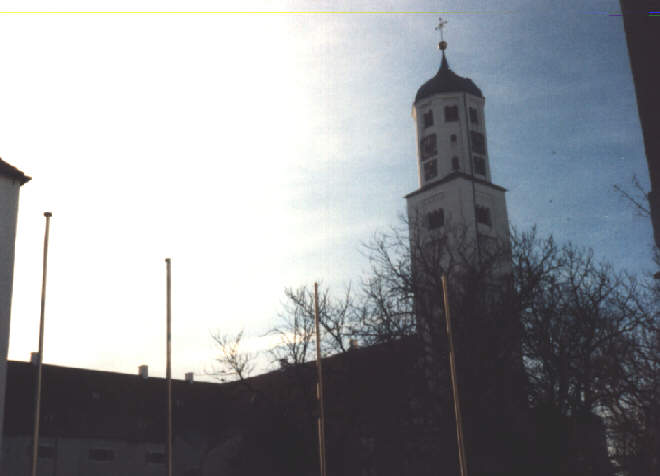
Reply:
x=455, y=191
x=459, y=228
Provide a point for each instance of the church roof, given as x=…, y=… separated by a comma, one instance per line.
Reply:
x=12, y=172
x=446, y=81
x=83, y=403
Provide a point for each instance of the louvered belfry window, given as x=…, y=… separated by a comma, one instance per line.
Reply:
x=478, y=142
x=428, y=146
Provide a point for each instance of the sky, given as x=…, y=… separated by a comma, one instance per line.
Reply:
x=259, y=144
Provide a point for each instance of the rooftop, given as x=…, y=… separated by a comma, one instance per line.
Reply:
x=7, y=170
x=446, y=81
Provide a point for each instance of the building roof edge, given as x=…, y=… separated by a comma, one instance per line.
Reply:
x=8, y=170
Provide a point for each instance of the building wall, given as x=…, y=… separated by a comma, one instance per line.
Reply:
x=381, y=420
x=61, y=456
x=9, y=190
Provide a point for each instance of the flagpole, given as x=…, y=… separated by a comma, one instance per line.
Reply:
x=37, y=398
x=319, y=385
x=168, y=263
x=454, y=383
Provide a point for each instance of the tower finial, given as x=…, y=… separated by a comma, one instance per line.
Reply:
x=443, y=44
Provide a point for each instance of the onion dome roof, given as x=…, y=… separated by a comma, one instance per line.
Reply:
x=446, y=81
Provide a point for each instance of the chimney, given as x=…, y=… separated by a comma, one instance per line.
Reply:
x=353, y=344
x=284, y=363
x=143, y=371
x=190, y=377
x=34, y=358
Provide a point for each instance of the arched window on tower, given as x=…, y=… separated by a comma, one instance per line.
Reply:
x=454, y=163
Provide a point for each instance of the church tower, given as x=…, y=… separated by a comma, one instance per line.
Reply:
x=456, y=194
x=457, y=218
x=458, y=227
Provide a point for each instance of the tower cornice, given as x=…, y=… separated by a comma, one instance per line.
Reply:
x=451, y=177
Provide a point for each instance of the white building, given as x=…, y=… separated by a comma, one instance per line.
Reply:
x=11, y=180
x=456, y=206
x=455, y=183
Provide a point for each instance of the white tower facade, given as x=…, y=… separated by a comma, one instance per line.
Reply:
x=456, y=197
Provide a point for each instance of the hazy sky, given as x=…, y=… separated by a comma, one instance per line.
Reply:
x=259, y=150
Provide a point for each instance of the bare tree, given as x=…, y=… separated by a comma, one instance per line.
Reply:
x=634, y=409
x=295, y=327
x=590, y=342
x=385, y=311
x=574, y=334
x=234, y=363
x=638, y=198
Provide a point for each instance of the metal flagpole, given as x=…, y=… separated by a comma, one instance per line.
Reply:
x=319, y=385
x=37, y=398
x=168, y=263
x=454, y=383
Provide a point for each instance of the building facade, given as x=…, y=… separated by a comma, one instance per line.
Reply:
x=11, y=180
x=106, y=423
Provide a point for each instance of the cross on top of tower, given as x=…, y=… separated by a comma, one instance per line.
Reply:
x=443, y=44
x=445, y=79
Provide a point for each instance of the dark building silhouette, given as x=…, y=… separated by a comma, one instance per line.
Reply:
x=11, y=181
x=381, y=420
x=643, y=37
